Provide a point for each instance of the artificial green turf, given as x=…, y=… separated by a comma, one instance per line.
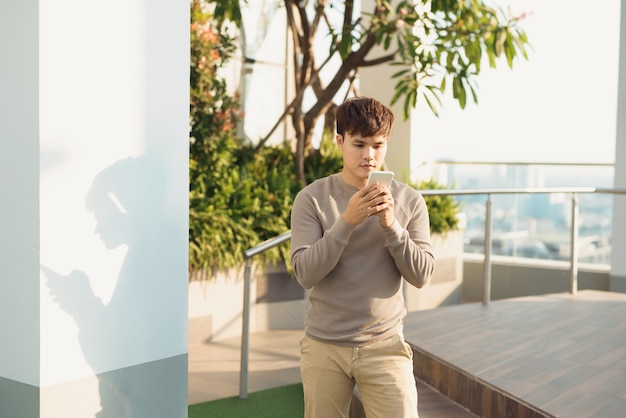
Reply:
x=283, y=402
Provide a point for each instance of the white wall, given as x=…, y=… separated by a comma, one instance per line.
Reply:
x=102, y=103
x=19, y=160
x=114, y=128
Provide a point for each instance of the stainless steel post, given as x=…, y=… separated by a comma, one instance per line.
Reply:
x=245, y=332
x=573, y=256
x=487, y=265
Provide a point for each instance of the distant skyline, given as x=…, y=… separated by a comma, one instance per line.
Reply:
x=560, y=105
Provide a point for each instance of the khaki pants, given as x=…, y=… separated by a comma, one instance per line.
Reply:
x=383, y=372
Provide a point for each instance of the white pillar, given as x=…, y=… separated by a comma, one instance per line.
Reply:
x=618, y=261
x=408, y=150
x=94, y=214
x=376, y=82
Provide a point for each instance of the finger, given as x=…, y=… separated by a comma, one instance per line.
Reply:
x=371, y=190
x=376, y=192
x=377, y=207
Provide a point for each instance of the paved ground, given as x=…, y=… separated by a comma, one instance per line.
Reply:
x=214, y=367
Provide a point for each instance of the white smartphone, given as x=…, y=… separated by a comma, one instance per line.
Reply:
x=382, y=177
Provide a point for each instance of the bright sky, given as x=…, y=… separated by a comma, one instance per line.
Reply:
x=559, y=106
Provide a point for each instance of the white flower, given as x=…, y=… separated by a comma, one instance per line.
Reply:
x=427, y=45
x=422, y=8
x=418, y=29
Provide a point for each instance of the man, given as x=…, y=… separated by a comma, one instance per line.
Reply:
x=353, y=244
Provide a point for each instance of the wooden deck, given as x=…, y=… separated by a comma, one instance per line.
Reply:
x=556, y=355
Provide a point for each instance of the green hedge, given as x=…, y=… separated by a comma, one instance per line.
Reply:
x=238, y=206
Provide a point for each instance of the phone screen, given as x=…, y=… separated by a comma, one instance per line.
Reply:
x=383, y=177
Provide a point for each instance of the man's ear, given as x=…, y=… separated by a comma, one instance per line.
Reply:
x=339, y=140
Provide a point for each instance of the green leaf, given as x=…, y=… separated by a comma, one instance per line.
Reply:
x=501, y=35
x=432, y=106
x=345, y=46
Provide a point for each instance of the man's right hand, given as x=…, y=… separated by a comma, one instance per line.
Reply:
x=364, y=203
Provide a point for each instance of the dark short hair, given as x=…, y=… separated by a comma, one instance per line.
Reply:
x=364, y=116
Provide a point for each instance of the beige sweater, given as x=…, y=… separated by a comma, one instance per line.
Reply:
x=355, y=273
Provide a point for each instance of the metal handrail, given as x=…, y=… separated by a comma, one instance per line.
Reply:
x=510, y=163
x=575, y=191
x=573, y=270
x=245, y=324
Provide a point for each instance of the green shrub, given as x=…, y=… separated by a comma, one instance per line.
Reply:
x=218, y=231
x=323, y=161
x=443, y=210
x=240, y=207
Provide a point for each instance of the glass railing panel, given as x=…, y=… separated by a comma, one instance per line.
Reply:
x=535, y=226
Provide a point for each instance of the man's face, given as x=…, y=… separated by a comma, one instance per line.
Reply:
x=361, y=156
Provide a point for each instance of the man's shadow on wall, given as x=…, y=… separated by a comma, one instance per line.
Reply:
x=127, y=200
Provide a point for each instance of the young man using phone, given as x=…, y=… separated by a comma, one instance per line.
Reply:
x=353, y=245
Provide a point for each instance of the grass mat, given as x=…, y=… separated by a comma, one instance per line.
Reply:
x=282, y=402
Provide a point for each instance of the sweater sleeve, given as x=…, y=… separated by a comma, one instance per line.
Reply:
x=314, y=252
x=411, y=248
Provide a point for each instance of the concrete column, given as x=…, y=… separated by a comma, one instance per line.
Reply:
x=401, y=156
x=407, y=150
x=94, y=208
x=618, y=261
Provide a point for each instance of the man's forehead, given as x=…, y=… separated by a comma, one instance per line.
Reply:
x=369, y=139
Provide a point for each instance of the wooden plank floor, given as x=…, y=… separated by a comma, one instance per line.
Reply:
x=556, y=355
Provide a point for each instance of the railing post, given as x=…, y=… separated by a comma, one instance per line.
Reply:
x=245, y=314
x=573, y=256
x=245, y=331
x=487, y=265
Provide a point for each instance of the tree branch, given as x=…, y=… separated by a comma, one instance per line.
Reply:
x=379, y=60
x=296, y=100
